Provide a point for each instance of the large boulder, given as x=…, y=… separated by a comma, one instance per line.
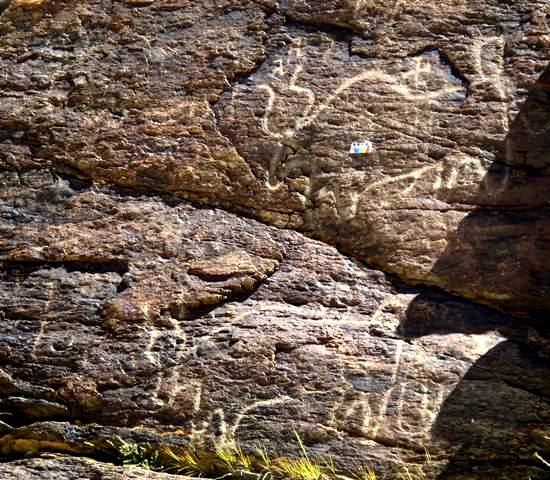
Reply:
x=157, y=161
x=252, y=106
x=128, y=318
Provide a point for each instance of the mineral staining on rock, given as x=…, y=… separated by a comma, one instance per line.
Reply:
x=156, y=321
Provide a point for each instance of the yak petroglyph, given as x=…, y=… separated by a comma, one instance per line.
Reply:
x=307, y=109
x=408, y=85
x=298, y=112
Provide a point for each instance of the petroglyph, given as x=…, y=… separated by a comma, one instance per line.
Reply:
x=346, y=204
x=168, y=384
x=279, y=69
x=314, y=108
x=197, y=387
x=365, y=414
x=410, y=177
x=51, y=291
x=357, y=416
x=380, y=408
x=288, y=85
x=260, y=403
x=392, y=309
x=488, y=54
x=383, y=404
x=269, y=107
x=431, y=404
x=454, y=171
x=39, y=338
x=423, y=407
x=217, y=421
x=149, y=349
x=211, y=423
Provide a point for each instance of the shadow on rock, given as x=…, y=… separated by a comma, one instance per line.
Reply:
x=498, y=415
x=500, y=253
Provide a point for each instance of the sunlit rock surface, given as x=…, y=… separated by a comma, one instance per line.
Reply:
x=141, y=145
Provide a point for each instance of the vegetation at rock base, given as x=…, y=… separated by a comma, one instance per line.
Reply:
x=138, y=455
x=228, y=459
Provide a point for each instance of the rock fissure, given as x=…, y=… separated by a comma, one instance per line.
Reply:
x=141, y=300
x=25, y=267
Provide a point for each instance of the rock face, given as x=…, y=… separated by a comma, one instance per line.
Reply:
x=160, y=323
x=142, y=299
x=65, y=468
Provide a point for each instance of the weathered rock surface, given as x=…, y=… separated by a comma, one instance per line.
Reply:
x=127, y=317
x=241, y=104
x=58, y=467
x=127, y=314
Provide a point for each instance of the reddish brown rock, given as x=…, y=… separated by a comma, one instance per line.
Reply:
x=125, y=317
x=115, y=99
x=61, y=467
x=128, y=315
x=252, y=106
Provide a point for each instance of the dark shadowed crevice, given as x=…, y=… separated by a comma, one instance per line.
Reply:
x=190, y=198
x=517, y=238
x=235, y=298
x=505, y=253
x=76, y=184
x=341, y=34
x=136, y=4
x=445, y=60
x=20, y=136
x=19, y=419
x=26, y=268
x=4, y=4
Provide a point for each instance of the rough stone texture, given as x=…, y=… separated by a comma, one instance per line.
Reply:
x=240, y=104
x=58, y=467
x=127, y=314
x=175, y=325
x=442, y=97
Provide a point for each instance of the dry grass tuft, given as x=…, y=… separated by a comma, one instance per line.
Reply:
x=228, y=459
